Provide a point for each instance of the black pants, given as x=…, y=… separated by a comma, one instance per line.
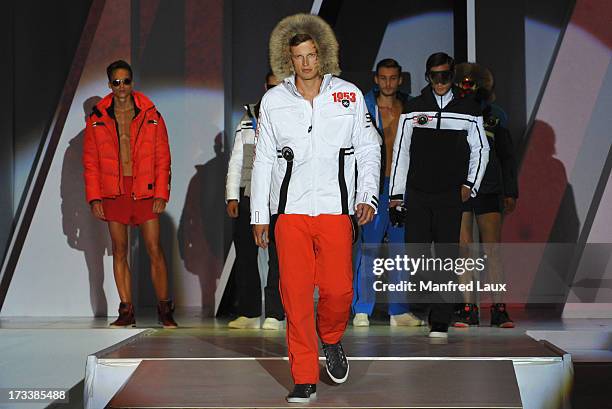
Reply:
x=246, y=272
x=435, y=218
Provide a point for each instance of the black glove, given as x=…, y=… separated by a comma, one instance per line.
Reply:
x=397, y=216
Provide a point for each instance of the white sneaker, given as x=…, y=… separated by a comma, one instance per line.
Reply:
x=361, y=320
x=273, y=324
x=406, y=319
x=244, y=323
x=438, y=334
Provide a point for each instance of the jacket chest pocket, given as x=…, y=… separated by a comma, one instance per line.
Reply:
x=289, y=123
x=291, y=130
x=144, y=126
x=149, y=126
x=338, y=123
x=145, y=131
x=105, y=137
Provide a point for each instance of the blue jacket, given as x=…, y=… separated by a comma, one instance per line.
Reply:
x=370, y=101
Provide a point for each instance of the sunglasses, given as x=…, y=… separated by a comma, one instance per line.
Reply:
x=124, y=81
x=440, y=77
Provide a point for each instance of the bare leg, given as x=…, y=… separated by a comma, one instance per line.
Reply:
x=489, y=226
x=159, y=272
x=466, y=238
x=121, y=269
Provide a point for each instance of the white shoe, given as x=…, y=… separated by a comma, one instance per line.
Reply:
x=405, y=320
x=244, y=323
x=361, y=320
x=438, y=334
x=273, y=324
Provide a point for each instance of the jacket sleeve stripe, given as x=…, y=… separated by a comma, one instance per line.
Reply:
x=342, y=181
x=399, y=152
x=479, y=154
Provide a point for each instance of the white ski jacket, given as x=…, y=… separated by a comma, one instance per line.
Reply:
x=314, y=159
x=240, y=164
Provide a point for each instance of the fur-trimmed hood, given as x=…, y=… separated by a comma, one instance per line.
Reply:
x=318, y=29
x=481, y=76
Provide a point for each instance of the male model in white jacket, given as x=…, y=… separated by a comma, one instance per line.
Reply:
x=313, y=132
x=246, y=271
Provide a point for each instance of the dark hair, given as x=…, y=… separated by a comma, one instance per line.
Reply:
x=119, y=64
x=299, y=39
x=439, y=59
x=388, y=63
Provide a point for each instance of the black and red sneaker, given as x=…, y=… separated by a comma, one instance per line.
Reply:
x=500, y=317
x=467, y=315
x=165, y=310
x=126, y=316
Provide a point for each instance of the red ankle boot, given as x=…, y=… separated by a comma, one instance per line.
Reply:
x=165, y=309
x=126, y=316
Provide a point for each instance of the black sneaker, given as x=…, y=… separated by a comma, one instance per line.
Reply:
x=303, y=393
x=438, y=330
x=466, y=315
x=500, y=317
x=336, y=362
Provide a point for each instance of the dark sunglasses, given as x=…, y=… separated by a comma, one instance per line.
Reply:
x=440, y=77
x=125, y=81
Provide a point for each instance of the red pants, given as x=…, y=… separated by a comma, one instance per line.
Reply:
x=314, y=251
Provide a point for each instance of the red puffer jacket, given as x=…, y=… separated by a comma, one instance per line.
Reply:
x=149, y=146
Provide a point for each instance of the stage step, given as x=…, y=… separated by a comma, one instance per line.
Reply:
x=264, y=383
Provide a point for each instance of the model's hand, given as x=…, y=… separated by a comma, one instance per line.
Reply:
x=159, y=205
x=364, y=213
x=261, y=235
x=395, y=203
x=232, y=208
x=97, y=210
x=465, y=193
x=509, y=205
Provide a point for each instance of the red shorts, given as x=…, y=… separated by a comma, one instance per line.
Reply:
x=125, y=210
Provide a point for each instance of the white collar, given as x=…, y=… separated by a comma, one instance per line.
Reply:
x=444, y=99
x=289, y=82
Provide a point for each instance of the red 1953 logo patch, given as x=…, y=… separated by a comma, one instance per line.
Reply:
x=345, y=98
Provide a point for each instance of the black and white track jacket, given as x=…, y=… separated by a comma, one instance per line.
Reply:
x=440, y=145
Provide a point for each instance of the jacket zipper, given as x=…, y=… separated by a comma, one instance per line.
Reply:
x=144, y=116
x=313, y=147
x=120, y=184
x=439, y=114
